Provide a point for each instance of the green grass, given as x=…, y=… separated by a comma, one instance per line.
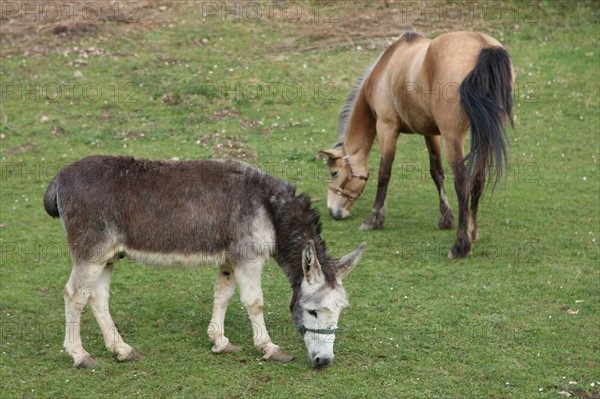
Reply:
x=520, y=318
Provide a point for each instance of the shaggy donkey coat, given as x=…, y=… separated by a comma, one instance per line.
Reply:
x=223, y=212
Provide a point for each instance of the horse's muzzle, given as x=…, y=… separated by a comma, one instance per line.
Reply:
x=339, y=214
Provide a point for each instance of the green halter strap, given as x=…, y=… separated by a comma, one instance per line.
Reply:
x=324, y=331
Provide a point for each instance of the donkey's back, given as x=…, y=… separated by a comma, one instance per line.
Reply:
x=160, y=211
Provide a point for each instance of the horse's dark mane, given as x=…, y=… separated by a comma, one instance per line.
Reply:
x=410, y=36
x=346, y=112
x=296, y=223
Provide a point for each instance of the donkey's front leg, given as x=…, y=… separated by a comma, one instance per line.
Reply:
x=248, y=277
x=388, y=136
x=224, y=288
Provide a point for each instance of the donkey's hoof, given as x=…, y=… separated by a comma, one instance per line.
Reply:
x=228, y=349
x=279, y=356
x=131, y=357
x=87, y=362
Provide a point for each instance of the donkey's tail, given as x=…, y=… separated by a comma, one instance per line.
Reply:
x=486, y=97
x=50, y=201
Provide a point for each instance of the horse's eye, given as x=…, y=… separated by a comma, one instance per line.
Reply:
x=334, y=174
x=312, y=312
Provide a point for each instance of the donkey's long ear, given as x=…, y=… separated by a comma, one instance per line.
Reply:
x=348, y=262
x=310, y=264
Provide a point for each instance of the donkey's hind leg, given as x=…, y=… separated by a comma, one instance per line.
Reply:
x=224, y=288
x=77, y=292
x=99, y=303
x=437, y=174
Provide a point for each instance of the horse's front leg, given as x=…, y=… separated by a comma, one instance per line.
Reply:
x=437, y=174
x=248, y=277
x=388, y=136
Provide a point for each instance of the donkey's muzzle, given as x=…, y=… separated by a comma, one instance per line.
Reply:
x=320, y=362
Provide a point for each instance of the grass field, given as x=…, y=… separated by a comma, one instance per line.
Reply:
x=519, y=318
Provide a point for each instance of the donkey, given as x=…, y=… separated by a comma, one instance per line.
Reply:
x=189, y=213
x=431, y=87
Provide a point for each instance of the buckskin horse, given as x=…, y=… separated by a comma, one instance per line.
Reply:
x=190, y=213
x=430, y=87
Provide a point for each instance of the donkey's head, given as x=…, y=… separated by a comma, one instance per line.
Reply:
x=346, y=184
x=317, y=304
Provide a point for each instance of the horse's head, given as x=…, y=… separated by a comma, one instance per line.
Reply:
x=317, y=304
x=346, y=184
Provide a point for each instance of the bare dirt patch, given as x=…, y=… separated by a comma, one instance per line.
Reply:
x=224, y=113
x=20, y=149
x=39, y=27
x=375, y=25
x=227, y=147
x=585, y=395
x=132, y=135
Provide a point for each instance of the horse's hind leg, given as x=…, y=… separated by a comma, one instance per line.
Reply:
x=77, y=292
x=99, y=303
x=437, y=174
x=478, y=185
x=224, y=288
x=455, y=157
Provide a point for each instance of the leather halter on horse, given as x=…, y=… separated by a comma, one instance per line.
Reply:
x=349, y=176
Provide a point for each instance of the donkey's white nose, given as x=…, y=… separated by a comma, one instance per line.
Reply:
x=318, y=360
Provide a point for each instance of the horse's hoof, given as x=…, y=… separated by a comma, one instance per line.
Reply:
x=445, y=224
x=459, y=252
x=280, y=356
x=366, y=227
x=373, y=222
x=88, y=362
x=131, y=357
x=229, y=349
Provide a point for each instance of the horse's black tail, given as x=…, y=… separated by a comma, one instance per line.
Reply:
x=486, y=97
x=50, y=198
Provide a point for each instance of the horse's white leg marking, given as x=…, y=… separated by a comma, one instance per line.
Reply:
x=77, y=292
x=224, y=288
x=248, y=277
x=99, y=303
x=444, y=199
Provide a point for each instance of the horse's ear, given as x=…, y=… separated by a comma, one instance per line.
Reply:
x=310, y=264
x=331, y=154
x=348, y=262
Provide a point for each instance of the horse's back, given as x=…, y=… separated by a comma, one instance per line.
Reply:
x=452, y=56
x=394, y=85
x=416, y=82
